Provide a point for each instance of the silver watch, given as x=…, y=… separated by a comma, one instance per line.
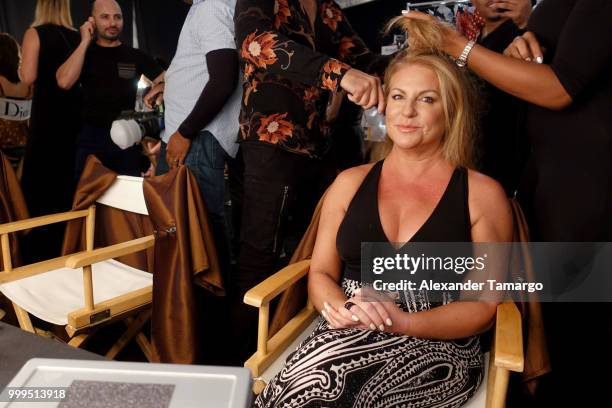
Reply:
x=462, y=60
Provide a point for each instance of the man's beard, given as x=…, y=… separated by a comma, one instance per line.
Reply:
x=110, y=37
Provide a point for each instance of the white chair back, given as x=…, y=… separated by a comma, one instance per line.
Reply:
x=126, y=194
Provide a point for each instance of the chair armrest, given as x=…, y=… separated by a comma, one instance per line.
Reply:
x=267, y=290
x=40, y=221
x=508, y=342
x=109, y=252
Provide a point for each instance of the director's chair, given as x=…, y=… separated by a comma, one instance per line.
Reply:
x=84, y=290
x=506, y=350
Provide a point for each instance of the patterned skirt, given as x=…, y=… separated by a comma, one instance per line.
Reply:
x=369, y=369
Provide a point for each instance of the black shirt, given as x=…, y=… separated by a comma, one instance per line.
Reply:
x=500, y=155
x=290, y=67
x=110, y=78
x=570, y=178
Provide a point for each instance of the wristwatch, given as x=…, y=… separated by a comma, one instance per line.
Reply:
x=462, y=60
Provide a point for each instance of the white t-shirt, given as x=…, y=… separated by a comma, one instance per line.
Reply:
x=209, y=26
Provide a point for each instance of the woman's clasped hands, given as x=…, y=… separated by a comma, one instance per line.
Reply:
x=368, y=310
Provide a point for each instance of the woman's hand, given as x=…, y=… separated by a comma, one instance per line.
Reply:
x=368, y=309
x=525, y=47
x=338, y=317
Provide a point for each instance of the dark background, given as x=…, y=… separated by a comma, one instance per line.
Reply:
x=159, y=22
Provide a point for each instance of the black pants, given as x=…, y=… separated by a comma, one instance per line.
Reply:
x=97, y=141
x=277, y=184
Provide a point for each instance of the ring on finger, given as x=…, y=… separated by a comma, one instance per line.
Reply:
x=348, y=305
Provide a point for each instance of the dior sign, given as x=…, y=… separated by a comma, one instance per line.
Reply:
x=15, y=109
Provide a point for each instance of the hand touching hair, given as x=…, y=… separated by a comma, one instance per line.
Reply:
x=423, y=35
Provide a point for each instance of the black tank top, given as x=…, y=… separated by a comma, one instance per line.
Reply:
x=449, y=221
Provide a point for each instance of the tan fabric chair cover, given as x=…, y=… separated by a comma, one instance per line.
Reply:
x=537, y=362
x=12, y=205
x=184, y=251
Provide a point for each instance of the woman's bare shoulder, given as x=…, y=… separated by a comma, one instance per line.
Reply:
x=345, y=186
x=488, y=201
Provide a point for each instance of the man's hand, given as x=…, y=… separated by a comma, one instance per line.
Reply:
x=87, y=30
x=363, y=89
x=177, y=149
x=517, y=10
x=526, y=47
x=154, y=96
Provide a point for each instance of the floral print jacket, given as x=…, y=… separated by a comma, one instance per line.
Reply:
x=290, y=70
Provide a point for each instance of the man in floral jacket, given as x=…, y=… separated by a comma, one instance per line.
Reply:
x=294, y=55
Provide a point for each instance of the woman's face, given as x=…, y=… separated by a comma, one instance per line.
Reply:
x=414, y=114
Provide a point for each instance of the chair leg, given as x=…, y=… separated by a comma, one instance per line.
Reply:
x=258, y=386
x=44, y=333
x=77, y=341
x=145, y=346
x=497, y=387
x=134, y=326
x=24, y=319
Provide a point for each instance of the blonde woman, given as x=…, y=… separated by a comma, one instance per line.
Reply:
x=48, y=176
x=402, y=353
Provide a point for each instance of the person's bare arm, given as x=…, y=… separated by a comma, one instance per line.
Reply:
x=68, y=74
x=28, y=70
x=529, y=81
x=324, y=290
x=526, y=80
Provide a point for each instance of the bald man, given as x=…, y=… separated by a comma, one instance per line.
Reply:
x=108, y=72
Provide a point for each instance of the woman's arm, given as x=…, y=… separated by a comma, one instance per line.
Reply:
x=325, y=268
x=529, y=81
x=491, y=217
x=324, y=274
x=28, y=70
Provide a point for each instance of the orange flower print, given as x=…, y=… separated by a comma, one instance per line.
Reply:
x=331, y=69
x=310, y=95
x=281, y=13
x=248, y=71
x=329, y=84
x=331, y=15
x=250, y=88
x=346, y=43
x=274, y=128
x=334, y=66
x=259, y=49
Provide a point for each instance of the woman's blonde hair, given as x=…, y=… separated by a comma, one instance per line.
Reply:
x=457, y=90
x=53, y=12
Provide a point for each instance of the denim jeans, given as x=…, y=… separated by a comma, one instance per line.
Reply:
x=206, y=160
x=97, y=141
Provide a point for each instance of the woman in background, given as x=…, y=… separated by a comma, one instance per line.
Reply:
x=14, y=102
x=48, y=175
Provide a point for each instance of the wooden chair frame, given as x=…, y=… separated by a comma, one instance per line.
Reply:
x=82, y=322
x=506, y=349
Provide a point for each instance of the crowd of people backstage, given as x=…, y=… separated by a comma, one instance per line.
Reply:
x=247, y=95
